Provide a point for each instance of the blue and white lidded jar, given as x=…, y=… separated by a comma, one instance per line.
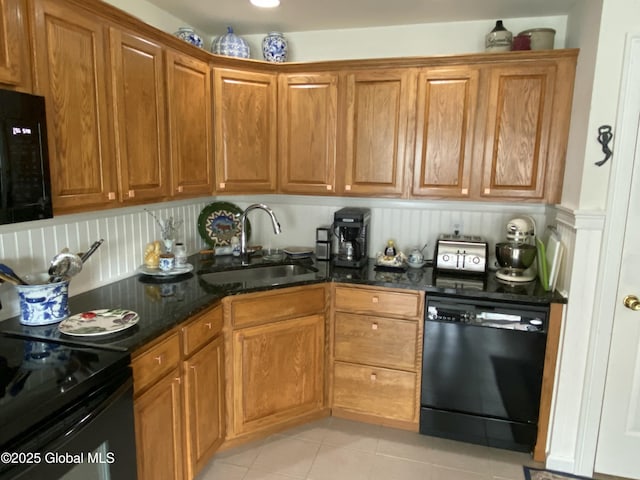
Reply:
x=189, y=35
x=230, y=45
x=275, y=47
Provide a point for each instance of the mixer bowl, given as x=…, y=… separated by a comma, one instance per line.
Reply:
x=519, y=256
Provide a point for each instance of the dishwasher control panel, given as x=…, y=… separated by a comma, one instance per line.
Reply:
x=487, y=313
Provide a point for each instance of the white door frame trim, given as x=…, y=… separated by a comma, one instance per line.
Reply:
x=610, y=258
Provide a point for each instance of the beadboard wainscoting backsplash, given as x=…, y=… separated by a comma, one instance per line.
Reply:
x=29, y=247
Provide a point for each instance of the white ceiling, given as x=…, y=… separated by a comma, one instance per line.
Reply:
x=212, y=16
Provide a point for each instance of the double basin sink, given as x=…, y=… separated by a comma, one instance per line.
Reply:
x=260, y=275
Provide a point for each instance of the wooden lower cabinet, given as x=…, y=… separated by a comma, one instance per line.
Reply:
x=204, y=404
x=278, y=372
x=179, y=401
x=377, y=355
x=159, y=430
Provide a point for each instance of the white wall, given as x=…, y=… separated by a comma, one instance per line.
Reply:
x=402, y=41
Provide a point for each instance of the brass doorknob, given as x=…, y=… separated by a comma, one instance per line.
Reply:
x=632, y=302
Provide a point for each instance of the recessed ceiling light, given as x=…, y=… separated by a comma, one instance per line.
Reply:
x=265, y=3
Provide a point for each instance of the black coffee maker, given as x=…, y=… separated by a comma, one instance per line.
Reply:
x=351, y=226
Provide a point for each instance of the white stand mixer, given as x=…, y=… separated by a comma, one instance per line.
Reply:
x=518, y=253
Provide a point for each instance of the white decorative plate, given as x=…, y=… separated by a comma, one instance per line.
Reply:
x=98, y=322
x=156, y=272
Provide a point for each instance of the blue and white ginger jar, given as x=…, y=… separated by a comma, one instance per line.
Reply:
x=43, y=303
x=230, y=45
x=275, y=47
x=190, y=36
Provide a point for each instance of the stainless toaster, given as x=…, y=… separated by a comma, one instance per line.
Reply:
x=461, y=254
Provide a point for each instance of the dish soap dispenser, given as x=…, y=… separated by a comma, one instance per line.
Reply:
x=499, y=39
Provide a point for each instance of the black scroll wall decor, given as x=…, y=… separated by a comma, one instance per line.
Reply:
x=604, y=138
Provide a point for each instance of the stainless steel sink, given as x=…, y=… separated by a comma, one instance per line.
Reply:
x=261, y=275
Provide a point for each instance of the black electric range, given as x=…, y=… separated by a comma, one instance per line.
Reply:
x=45, y=383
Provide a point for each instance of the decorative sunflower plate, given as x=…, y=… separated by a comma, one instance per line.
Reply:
x=219, y=222
x=98, y=322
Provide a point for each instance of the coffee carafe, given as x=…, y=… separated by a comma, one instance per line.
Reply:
x=351, y=227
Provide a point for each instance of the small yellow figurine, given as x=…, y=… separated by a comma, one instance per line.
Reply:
x=152, y=254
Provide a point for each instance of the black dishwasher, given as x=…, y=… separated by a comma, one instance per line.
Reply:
x=482, y=371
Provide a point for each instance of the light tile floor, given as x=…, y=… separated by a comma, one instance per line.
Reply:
x=338, y=449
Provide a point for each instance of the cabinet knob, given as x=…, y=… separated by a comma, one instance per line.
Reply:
x=487, y=191
x=208, y=324
x=131, y=193
x=180, y=189
x=375, y=300
x=111, y=195
x=178, y=380
x=222, y=185
x=347, y=188
x=329, y=187
x=374, y=376
x=158, y=359
x=374, y=326
x=465, y=191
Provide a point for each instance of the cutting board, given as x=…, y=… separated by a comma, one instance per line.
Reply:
x=554, y=252
x=543, y=270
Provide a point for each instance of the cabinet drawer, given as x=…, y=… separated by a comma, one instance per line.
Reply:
x=277, y=305
x=376, y=340
x=379, y=302
x=156, y=362
x=201, y=330
x=375, y=391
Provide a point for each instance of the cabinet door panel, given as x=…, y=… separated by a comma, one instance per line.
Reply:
x=158, y=418
x=204, y=404
x=517, y=138
x=278, y=370
x=190, y=125
x=14, y=66
x=245, y=131
x=71, y=75
x=307, y=132
x=377, y=111
x=139, y=102
x=447, y=100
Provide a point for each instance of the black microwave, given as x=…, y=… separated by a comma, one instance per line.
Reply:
x=25, y=182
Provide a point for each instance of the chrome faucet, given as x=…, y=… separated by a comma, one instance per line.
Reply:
x=243, y=228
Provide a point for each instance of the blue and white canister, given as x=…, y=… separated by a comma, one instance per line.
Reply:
x=230, y=45
x=189, y=35
x=43, y=303
x=275, y=47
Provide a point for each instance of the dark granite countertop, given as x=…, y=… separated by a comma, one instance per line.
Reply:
x=164, y=303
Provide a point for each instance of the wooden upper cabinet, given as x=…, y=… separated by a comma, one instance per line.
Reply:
x=377, y=107
x=245, y=131
x=307, y=128
x=71, y=72
x=137, y=78
x=14, y=52
x=190, y=125
x=519, y=115
x=445, y=121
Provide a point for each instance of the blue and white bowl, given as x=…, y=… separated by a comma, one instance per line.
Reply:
x=275, y=47
x=42, y=303
x=230, y=45
x=190, y=36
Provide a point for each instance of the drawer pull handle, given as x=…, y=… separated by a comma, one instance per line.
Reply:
x=374, y=326
x=375, y=300
x=374, y=377
x=208, y=324
x=158, y=359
